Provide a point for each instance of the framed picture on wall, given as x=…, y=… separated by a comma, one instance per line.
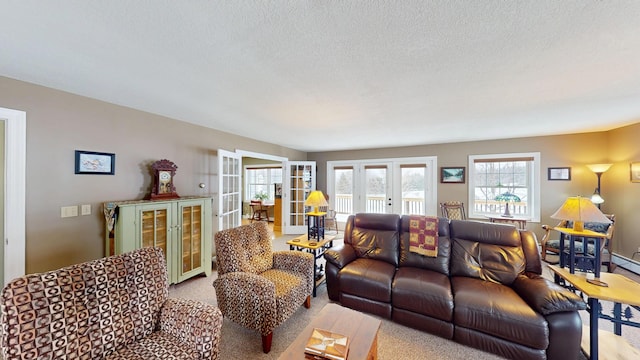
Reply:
x=452, y=175
x=95, y=163
x=559, y=173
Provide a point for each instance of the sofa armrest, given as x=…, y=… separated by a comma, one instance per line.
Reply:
x=545, y=296
x=194, y=323
x=340, y=255
x=297, y=262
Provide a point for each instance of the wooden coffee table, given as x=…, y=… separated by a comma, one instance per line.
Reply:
x=361, y=329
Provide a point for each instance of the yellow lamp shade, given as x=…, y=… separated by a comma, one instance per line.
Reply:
x=580, y=210
x=316, y=199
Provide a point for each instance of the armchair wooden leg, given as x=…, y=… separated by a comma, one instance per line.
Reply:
x=307, y=302
x=266, y=342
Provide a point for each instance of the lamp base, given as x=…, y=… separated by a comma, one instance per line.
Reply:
x=597, y=282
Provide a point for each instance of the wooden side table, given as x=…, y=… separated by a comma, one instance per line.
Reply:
x=568, y=234
x=316, y=248
x=361, y=329
x=621, y=290
x=519, y=222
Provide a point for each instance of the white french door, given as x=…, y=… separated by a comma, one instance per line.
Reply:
x=377, y=185
x=298, y=181
x=401, y=186
x=229, y=190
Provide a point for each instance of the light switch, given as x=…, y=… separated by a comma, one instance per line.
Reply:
x=68, y=211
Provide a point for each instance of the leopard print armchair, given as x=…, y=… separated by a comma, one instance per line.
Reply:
x=111, y=308
x=257, y=287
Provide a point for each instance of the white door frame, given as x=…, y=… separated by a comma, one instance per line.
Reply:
x=14, y=193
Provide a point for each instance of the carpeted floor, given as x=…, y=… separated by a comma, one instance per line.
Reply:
x=395, y=341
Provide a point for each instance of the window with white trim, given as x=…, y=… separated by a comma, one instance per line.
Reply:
x=499, y=181
x=260, y=180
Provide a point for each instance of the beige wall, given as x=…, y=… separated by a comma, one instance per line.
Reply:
x=59, y=123
x=556, y=151
x=624, y=195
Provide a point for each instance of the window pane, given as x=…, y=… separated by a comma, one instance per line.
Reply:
x=502, y=181
x=413, y=185
x=343, y=201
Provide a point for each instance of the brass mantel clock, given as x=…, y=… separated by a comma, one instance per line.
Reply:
x=163, y=173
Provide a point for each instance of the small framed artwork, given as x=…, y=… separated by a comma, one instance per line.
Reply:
x=559, y=173
x=95, y=163
x=635, y=171
x=278, y=190
x=452, y=175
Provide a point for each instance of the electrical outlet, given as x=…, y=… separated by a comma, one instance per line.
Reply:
x=86, y=209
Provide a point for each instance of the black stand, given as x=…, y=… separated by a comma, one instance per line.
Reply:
x=315, y=225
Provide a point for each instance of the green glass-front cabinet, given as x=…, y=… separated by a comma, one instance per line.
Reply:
x=180, y=227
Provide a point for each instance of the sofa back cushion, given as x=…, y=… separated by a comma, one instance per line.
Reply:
x=84, y=311
x=439, y=263
x=374, y=236
x=246, y=248
x=488, y=251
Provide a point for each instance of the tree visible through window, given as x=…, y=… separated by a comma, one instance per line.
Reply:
x=498, y=180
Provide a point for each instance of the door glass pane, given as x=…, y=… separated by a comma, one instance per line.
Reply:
x=376, y=189
x=343, y=198
x=413, y=189
x=300, y=188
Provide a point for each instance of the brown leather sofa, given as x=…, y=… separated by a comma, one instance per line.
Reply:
x=484, y=289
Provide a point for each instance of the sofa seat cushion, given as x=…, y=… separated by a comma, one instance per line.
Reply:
x=158, y=345
x=424, y=292
x=291, y=288
x=497, y=310
x=368, y=278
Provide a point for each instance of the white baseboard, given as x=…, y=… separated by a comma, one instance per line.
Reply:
x=625, y=262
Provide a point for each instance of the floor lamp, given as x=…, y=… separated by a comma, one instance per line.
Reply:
x=598, y=169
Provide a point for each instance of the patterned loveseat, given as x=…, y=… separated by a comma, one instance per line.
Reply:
x=111, y=308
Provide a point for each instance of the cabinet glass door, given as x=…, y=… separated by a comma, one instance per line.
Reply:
x=191, y=238
x=155, y=227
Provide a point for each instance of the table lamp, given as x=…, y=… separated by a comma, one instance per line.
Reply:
x=580, y=210
x=316, y=199
x=507, y=198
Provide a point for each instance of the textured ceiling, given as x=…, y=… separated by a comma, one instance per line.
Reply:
x=358, y=74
